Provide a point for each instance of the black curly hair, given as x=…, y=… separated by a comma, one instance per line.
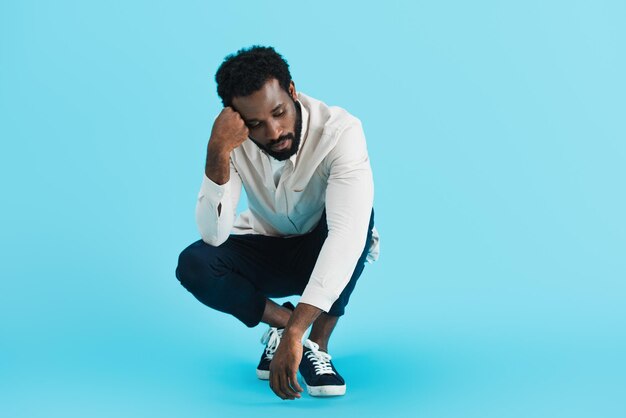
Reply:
x=245, y=72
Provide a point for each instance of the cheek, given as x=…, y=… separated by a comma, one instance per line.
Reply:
x=258, y=136
x=290, y=124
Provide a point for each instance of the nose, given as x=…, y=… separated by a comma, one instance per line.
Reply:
x=274, y=130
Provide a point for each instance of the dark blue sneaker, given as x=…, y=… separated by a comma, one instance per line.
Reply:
x=318, y=372
x=271, y=339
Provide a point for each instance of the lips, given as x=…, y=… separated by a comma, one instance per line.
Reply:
x=282, y=145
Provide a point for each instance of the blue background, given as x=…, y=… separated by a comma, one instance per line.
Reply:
x=496, y=132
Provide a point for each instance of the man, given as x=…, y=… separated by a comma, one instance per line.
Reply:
x=309, y=227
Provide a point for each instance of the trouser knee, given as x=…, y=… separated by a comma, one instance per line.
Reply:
x=194, y=265
x=207, y=273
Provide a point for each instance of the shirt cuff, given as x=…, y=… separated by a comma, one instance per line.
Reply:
x=318, y=298
x=212, y=191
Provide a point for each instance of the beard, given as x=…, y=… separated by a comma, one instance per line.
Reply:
x=295, y=137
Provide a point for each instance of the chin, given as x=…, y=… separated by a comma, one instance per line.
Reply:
x=284, y=155
x=281, y=156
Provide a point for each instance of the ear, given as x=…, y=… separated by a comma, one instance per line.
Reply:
x=292, y=90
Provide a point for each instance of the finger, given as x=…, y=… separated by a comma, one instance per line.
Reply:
x=234, y=112
x=231, y=113
x=289, y=391
x=274, y=385
x=281, y=387
x=295, y=384
x=277, y=389
x=292, y=394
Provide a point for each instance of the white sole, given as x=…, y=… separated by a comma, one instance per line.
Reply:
x=321, y=391
x=330, y=390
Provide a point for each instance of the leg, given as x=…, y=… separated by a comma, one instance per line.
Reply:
x=321, y=330
x=275, y=315
x=239, y=276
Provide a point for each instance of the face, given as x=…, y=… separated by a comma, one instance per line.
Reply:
x=273, y=118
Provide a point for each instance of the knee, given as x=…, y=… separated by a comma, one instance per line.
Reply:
x=192, y=265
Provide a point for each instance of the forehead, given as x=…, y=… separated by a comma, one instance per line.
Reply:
x=262, y=101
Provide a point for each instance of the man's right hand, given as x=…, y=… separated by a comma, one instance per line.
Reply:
x=229, y=131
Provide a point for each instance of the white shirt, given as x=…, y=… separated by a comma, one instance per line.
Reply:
x=277, y=169
x=331, y=171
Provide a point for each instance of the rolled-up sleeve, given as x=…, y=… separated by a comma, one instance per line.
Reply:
x=216, y=208
x=349, y=201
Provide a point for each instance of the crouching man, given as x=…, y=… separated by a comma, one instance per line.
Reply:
x=309, y=226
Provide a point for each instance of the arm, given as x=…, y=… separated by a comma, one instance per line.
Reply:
x=221, y=187
x=349, y=200
x=284, y=365
x=216, y=207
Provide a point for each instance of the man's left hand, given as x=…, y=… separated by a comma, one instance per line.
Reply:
x=284, y=368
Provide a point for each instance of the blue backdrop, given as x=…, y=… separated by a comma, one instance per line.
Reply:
x=496, y=132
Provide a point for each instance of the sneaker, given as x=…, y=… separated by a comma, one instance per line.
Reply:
x=320, y=376
x=271, y=339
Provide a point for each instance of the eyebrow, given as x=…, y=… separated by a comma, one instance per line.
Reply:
x=273, y=110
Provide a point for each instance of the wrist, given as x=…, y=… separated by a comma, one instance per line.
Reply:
x=292, y=334
x=217, y=151
x=301, y=318
x=216, y=167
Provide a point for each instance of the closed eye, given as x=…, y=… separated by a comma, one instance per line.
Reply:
x=256, y=124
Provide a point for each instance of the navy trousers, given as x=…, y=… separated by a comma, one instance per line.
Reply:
x=238, y=276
